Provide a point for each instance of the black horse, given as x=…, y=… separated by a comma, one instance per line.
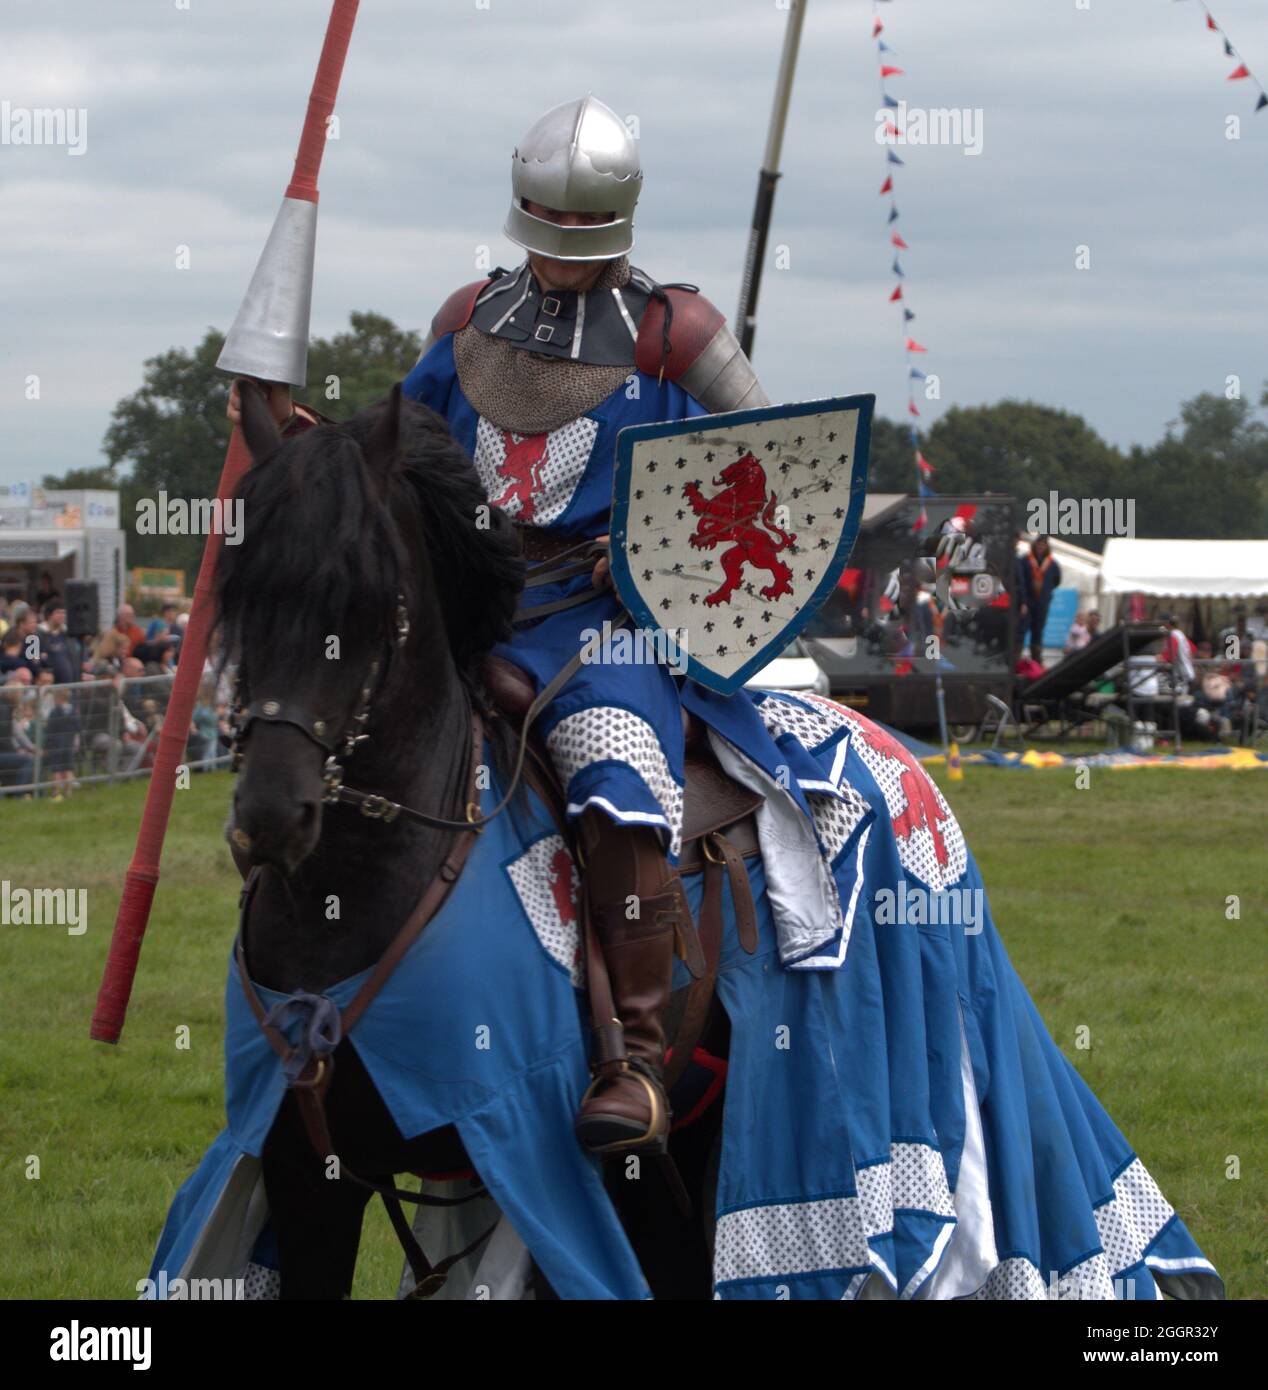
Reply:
x=373, y=574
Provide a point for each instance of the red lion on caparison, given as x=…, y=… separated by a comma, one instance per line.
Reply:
x=737, y=517
x=522, y=467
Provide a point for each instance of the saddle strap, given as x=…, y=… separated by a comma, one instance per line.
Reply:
x=700, y=992
x=310, y=1096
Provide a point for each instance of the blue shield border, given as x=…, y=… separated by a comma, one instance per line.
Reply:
x=627, y=585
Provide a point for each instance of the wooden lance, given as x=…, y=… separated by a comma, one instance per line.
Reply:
x=268, y=341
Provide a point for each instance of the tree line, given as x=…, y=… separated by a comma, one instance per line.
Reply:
x=1207, y=477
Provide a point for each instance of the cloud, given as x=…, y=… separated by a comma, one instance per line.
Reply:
x=1103, y=127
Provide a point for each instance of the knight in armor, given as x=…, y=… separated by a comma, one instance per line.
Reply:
x=537, y=370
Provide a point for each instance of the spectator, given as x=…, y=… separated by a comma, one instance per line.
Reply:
x=137, y=695
x=45, y=590
x=1078, y=637
x=17, y=755
x=1038, y=575
x=164, y=623
x=10, y=654
x=30, y=650
x=205, y=734
x=62, y=732
x=1093, y=622
x=109, y=726
x=110, y=649
x=61, y=652
x=1177, y=652
x=159, y=656
x=4, y=615
x=125, y=622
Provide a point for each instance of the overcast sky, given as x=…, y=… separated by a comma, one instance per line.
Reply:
x=1102, y=126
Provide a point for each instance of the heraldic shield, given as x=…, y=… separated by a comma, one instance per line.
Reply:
x=728, y=531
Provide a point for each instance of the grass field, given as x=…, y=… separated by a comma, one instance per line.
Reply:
x=1111, y=901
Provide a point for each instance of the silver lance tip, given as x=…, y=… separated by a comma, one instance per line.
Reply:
x=269, y=337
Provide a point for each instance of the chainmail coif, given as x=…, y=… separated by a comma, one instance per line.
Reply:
x=528, y=392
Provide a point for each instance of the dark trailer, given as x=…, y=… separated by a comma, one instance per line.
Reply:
x=884, y=634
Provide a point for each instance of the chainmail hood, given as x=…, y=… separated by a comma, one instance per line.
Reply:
x=531, y=392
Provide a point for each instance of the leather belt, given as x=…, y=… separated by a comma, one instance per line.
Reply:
x=539, y=545
x=741, y=834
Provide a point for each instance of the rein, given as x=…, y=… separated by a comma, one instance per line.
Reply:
x=309, y=1064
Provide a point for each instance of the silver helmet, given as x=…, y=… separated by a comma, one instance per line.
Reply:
x=579, y=157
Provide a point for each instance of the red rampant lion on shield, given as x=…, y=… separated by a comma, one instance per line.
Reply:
x=743, y=516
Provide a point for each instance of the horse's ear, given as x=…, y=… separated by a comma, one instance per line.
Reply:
x=259, y=428
x=383, y=447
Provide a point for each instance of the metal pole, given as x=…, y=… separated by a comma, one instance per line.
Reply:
x=746, y=314
x=942, y=716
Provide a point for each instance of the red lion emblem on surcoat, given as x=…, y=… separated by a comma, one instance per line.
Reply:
x=561, y=886
x=742, y=517
x=522, y=468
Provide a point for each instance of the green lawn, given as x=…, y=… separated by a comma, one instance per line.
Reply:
x=1111, y=900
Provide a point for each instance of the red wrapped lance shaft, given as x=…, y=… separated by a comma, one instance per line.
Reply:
x=252, y=354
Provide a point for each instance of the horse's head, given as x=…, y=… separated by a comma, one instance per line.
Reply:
x=368, y=569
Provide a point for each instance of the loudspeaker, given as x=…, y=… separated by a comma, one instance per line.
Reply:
x=82, y=615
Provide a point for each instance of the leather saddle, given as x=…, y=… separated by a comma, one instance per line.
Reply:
x=712, y=800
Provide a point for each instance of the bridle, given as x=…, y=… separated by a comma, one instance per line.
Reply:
x=340, y=744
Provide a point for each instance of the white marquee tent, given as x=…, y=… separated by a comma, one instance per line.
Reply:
x=1185, y=569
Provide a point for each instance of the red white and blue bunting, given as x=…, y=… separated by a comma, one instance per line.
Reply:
x=1242, y=72
x=911, y=348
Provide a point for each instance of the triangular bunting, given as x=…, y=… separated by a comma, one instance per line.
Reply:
x=908, y=315
x=896, y=240
x=898, y=293
x=892, y=157
x=888, y=70
x=877, y=26
x=1241, y=70
x=898, y=270
x=916, y=374
x=889, y=100
x=1262, y=102
x=914, y=346
x=888, y=185
x=893, y=215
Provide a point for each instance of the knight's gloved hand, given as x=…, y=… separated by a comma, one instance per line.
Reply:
x=601, y=576
x=281, y=406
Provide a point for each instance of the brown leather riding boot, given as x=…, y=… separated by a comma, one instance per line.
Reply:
x=625, y=1107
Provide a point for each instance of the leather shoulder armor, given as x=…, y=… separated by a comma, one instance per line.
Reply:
x=703, y=355
x=455, y=312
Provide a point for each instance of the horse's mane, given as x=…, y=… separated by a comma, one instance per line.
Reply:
x=324, y=552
